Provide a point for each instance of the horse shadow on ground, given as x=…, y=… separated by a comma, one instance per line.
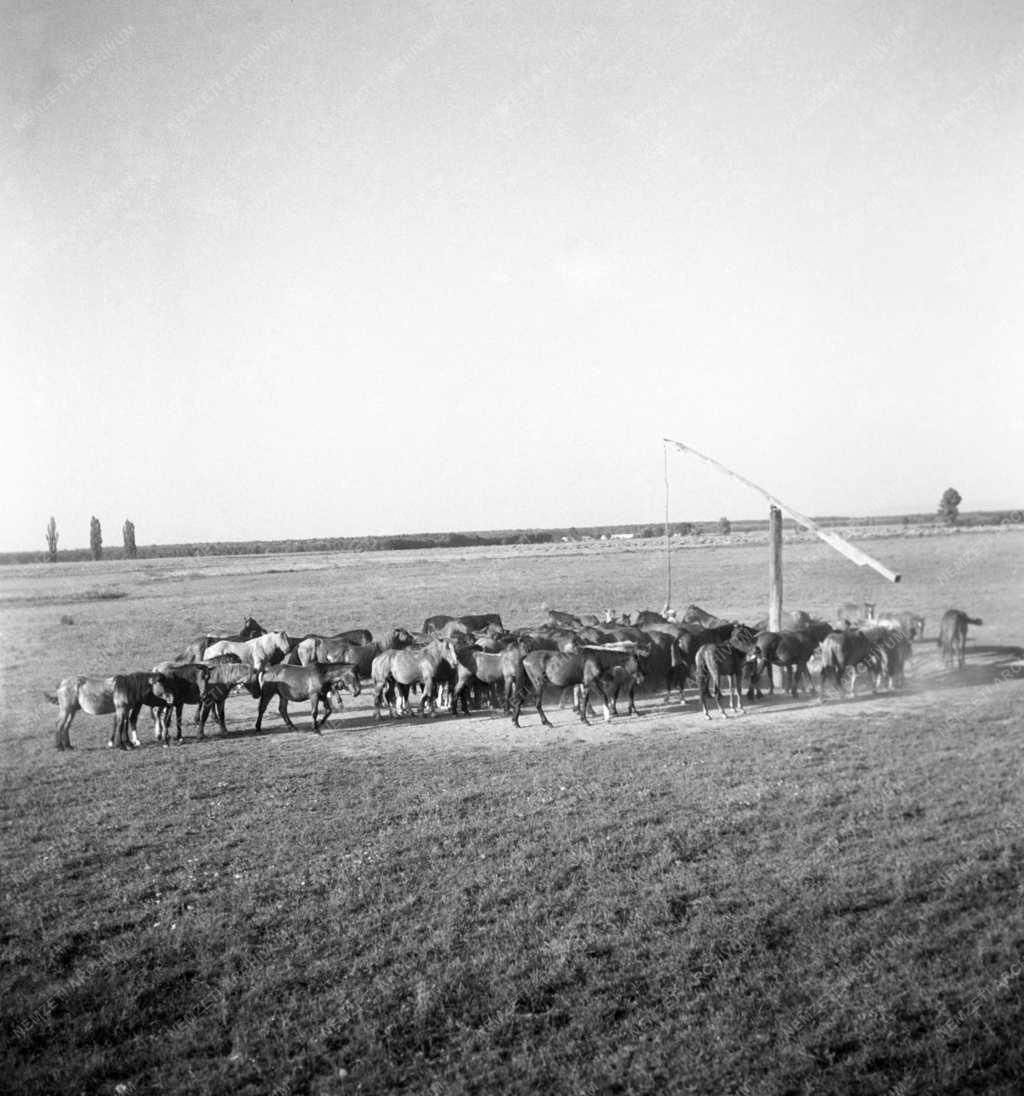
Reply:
x=984, y=665
x=347, y=722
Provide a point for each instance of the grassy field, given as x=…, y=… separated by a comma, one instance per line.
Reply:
x=806, y=899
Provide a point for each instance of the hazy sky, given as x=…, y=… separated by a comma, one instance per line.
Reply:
x=306, y=269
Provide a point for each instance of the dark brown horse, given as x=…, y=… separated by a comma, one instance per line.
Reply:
x=227, y=673
x=728, y=658
x=315, y=683
x=491, y=669
x=189, y=682
x=587, y=667
x=848, y=652
x=791, y=650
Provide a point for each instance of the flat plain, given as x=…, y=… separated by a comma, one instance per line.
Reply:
x=806, y=898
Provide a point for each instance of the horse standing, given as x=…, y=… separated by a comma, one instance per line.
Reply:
x=729, y=658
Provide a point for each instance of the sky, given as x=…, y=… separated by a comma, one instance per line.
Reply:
x=293, y=270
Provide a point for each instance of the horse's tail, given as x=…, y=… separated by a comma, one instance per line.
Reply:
x=51, y=698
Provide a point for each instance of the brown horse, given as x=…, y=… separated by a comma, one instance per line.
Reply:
x=336, y=649
x=850, y=650
x=791, y=650
x=315, y=683
x=227, y=673
x=413, y=666
x=602, y=669
x=121, y=695
x=491, y=669
x=189, y=682
x=729, y=658
x=953, y=637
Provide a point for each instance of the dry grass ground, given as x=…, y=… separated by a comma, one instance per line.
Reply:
x=805, y=899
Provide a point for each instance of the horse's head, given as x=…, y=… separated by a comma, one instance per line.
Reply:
x=348, y=679
x=160, y=686
x=251, y=628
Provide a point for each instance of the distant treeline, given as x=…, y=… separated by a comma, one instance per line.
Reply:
x=495, y=537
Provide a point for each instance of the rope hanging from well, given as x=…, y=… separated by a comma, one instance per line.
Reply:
x=668, y=537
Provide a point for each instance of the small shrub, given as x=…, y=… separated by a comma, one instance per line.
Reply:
x=65, y=619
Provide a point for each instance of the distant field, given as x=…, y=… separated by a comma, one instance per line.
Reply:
x=807, y=899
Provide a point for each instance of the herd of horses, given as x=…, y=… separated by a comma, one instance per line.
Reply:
x=454, y=661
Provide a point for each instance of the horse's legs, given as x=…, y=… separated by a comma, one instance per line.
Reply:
x=119, y=730
x=202, y=714
x=378, y=697
x=133, y=726
x=540, y=711
x=584, y=700
x=704, y=690
x=513, y=699
x=282, y=707
x=265, y=696
x=853, y=682
x=161, y=723
x=314, y=707
x=718, y=692
x=607, y=703
x=753, y=678
x=64, y=729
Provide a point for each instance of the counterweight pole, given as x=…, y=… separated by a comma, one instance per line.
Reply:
x=834, y=540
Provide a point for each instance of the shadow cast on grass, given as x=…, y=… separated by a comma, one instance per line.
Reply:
x=983, y=665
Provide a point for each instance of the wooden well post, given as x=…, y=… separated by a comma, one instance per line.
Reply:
x=775, y=581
